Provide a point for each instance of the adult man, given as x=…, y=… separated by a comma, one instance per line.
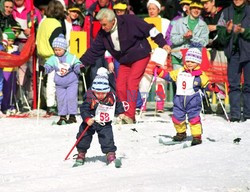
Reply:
x=125, y=38
x=218, y=59
x=93, y=26
x=234, y=32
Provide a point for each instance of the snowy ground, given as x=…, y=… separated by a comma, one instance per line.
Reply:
x=32, y=158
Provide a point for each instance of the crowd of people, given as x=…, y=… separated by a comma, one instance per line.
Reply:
x=116, y=65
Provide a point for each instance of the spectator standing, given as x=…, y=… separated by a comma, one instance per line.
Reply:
x=183, y=13
x=48, y=30
x=234, y=32
x=6, y=17
x=188, y=31
x=154, y=9
x=94, y=27
x=22, y=14
x=218, y=59
x=125, y=38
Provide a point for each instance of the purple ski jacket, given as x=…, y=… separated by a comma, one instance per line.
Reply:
x=133, y=33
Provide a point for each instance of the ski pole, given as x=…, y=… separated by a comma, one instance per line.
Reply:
x=146, y=97
x=84, y=82
x=39, y=95
x=223, y=107
x=77, y=141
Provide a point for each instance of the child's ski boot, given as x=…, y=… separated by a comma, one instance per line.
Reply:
x=79, y=159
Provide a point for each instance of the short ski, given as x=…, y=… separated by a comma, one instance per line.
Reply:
x=78, y=163
x=118, y=163
x=185, y=144
x=169, y=142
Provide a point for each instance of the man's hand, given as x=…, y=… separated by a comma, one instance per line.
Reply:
x=238, y=29
x=229, y=26
x=167, y=48
x=111, y=67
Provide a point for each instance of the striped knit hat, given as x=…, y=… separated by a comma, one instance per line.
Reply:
x=100, y=84
x=194, y=55
x=60, y=42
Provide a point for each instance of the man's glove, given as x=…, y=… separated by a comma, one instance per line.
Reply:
x=214, y=88
x=161, y=72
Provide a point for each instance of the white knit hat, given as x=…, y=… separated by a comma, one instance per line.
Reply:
x=194, y=55
x=100, y=84
x=158, y=5
x=60, y=42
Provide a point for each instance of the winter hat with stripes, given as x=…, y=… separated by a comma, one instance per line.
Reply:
x=194, y=55
x=100, y=84
x=60, y=42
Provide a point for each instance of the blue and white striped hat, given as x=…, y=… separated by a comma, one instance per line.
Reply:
x=60, y=42
x=194, y=55
x=100, y=84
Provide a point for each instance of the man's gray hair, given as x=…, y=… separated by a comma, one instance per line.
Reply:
x=105, y=13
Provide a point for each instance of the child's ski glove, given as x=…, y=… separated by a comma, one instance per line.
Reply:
x=161, y=72
x=214, y=88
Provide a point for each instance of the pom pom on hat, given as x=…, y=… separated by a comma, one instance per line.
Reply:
x=100, y=84
x=60, y=42
x=10, y=34
x=102, y=71
x=194, y=55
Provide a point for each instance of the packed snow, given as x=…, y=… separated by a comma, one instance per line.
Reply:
x=32, y=156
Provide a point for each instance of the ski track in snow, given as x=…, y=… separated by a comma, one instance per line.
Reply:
x=32, y=158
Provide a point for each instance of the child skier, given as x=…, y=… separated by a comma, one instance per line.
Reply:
x=187, y=101
x=67, y=68
x=97, y=111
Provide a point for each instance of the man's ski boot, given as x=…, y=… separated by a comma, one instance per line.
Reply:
x=127, y=120
x=180, y=136
x=79, y=159
x=196, y=140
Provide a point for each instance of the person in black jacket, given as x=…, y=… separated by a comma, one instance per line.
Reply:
x=97, y=111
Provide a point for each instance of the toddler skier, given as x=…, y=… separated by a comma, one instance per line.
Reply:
x=97, y=111
x=67, y=68
x=190, y=79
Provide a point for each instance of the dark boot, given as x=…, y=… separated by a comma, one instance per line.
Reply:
x=180, y=136
x=72, y=119
x=62, y=120
x=196, y=140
